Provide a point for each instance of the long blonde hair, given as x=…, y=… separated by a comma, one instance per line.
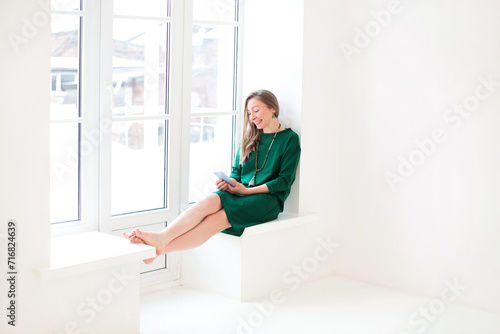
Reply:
x=251, y=134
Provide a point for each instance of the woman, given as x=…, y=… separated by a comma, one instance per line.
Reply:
x=262, y=175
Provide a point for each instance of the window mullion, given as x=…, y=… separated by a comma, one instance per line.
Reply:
x=212, y=113
x=140, y=118
x=66, y=149
x=149, y=18
x=237, y=98
x=106, y=102
x=186, y=102
x=91, y=125
x=215, y=23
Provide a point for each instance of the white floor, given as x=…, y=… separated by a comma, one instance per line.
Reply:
x=330, y=305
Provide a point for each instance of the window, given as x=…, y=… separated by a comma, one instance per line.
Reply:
x=143, y=110
x=138, y=65
x=66, y=112
x=213, y=92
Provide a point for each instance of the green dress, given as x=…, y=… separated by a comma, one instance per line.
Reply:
x=278, y=174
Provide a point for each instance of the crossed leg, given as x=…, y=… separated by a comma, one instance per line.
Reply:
x=197, y=236
x=191, y=229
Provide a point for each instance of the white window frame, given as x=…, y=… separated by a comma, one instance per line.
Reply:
x=89, y=92
x=188, y=112
x=96, y=94
x=108, y=222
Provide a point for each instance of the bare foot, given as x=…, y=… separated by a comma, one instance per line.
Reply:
x=133, y=238
x=148, y=238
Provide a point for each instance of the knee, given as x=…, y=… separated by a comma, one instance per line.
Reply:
x=211, y=202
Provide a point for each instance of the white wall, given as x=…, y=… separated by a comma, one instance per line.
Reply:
x=442, y=221
x=355, y=119
x=274, y=52
x=24, y=155
x=44, y=307
x=272, y=60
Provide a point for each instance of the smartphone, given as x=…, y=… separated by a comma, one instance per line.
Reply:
x=223, y=176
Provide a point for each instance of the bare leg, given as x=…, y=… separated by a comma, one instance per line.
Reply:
x=210, y=226
x=188, y=220
x=185, y=221
x=192, y=217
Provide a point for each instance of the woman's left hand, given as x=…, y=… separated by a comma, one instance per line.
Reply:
x=237, y=189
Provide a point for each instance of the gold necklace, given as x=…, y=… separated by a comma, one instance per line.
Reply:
x=252, y=181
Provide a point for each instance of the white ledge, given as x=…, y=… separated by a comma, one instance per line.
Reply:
x=285, y=220
x=84, y=252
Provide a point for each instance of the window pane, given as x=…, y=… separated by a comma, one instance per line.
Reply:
x=139, y=67
x=64, y=172
x=65, y=66
x=65, y=5
x=212, y=69
x=154, y=8
x=138, y=166
x=210, y=151
x=214, y=10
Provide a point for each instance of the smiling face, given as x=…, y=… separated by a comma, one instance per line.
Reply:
x=260, y=115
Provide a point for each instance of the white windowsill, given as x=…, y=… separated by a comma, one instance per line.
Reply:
x=84, y=252
x=285, y=220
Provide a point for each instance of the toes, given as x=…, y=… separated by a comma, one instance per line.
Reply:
x=129, y=236
x=137, y=232
x=134, y=238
